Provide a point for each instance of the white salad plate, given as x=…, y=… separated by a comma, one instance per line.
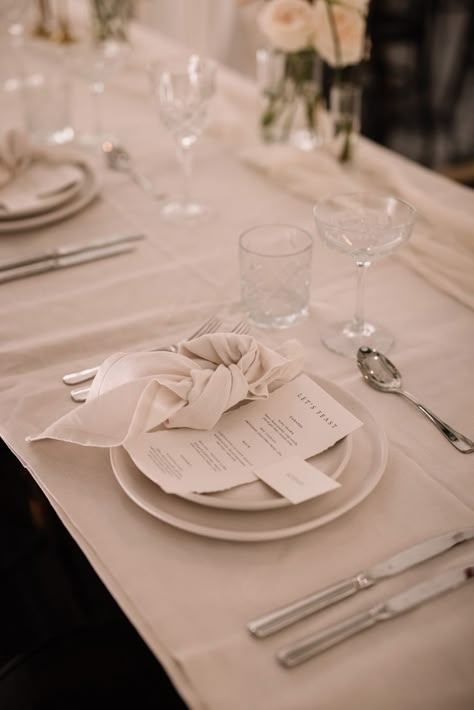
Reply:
x=258, y=496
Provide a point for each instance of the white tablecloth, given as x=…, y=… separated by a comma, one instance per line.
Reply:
x=190, y=597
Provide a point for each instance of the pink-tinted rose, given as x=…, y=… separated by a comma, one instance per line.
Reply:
x=288, y=24
x=349, y=25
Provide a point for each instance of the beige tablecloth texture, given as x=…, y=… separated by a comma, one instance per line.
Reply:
x=189, y=596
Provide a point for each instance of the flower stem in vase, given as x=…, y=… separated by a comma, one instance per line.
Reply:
x=346, y=151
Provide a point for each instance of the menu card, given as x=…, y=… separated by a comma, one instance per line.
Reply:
x=299, y=419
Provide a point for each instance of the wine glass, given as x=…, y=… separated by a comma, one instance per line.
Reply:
x=366, y=226
x=181, y=90
x=97, y=62
x=12, y=16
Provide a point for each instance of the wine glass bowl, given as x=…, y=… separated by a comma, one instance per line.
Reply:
x=182, y=88
x=367, y=227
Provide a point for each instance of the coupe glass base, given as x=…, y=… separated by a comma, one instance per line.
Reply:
x=346, y=338
x=186, y=213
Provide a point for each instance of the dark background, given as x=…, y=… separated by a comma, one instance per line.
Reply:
x=419, y=82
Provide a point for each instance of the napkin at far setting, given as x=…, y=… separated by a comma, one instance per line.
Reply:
x=134, y=393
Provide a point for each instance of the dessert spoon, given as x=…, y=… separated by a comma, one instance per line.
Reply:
x=381, y=374
x=119, y=159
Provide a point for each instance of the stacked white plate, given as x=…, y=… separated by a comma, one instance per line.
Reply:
x=46, y=192
x=254, y=512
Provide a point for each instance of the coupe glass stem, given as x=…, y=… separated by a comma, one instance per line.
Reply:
x=185, y=158
x=359, y=316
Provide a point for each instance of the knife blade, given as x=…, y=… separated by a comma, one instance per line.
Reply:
x=286, y=615
x=309, y=646
x=62, y=262
x=70, y=250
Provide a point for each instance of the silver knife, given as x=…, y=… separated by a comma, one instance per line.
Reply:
x=301, y=608
x=309, y=646
x=70, y=250
x=62, y=262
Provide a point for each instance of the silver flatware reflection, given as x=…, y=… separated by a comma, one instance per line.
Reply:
x=69, y=250
x=80, y=395
x=120, y=160
x=313, y=644
x=304, y=607
x=381, y=374
x=63, y=262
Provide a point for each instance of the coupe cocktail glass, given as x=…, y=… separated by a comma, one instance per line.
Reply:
x=365, y=226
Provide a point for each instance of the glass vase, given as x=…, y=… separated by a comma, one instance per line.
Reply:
x=345, y=101
x=110, y=19
x=290, y=87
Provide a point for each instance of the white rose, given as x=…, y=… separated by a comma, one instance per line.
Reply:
x=288, y=24
x=350, y=28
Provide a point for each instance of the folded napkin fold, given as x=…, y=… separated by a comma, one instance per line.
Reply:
x=134, y=393
x=442, y=246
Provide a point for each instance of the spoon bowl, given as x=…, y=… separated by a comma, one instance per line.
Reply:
x=119, y=159
x=378, y=370
x=381, y=374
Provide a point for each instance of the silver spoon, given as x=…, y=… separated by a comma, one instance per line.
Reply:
x=119, y=159
x=381, y=374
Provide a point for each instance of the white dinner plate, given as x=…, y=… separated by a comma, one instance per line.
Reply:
x=88, y=189
x=361, y=474
x=37, y=202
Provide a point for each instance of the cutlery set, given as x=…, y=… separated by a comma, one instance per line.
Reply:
x=305, y=648
x=64, y=257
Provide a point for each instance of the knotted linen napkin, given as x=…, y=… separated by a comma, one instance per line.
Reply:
x=134, y=393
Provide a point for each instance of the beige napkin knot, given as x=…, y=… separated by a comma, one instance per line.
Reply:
x=15, y=154
x=140, y=392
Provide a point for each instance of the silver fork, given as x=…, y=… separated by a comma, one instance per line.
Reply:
x=241, y=328
x=76, y=378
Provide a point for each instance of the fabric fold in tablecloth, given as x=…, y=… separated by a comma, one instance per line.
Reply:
x=441, y=248
x=134, y=393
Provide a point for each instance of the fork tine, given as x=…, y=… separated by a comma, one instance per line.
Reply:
x=241, y=328
x=210, y=326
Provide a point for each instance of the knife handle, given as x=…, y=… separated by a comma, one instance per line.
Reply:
x=309, y=646
x=300, y=609
x=76, y=378
x=20, y=272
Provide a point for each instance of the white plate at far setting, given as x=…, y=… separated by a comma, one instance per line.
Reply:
x=79, y=198
x=43, y=187
x=361, y=473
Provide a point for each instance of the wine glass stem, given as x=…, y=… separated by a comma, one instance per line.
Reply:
x=97, y=90
x=359, y=316
x=185, y=159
